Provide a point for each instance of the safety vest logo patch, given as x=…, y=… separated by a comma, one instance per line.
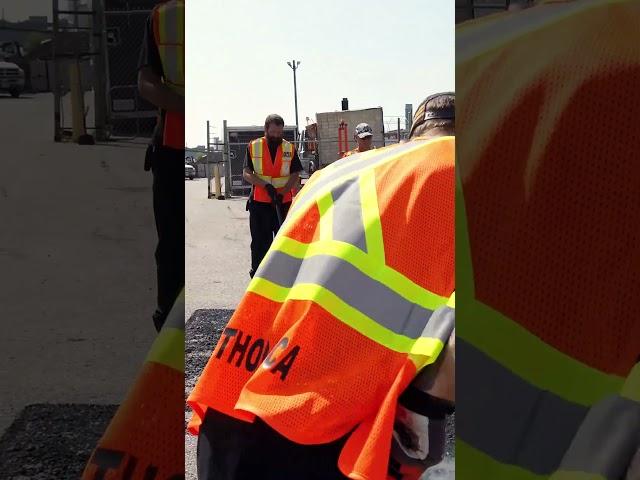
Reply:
x=244, y=351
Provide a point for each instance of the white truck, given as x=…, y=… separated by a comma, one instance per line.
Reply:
x=11, y=78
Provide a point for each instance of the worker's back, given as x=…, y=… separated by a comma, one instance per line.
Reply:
x=548, y=257
x=342, y=312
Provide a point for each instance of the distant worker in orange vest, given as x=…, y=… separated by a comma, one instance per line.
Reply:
x=273, y=168
x=161, y=82
x=338, y=362
x=363, y=137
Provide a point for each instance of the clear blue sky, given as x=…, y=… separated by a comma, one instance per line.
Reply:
x=375, y=52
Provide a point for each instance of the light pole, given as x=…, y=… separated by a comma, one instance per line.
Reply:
x=294, y=64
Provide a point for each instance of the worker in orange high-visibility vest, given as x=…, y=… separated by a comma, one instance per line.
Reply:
x=548, y=257
x=363, y=137
x=273, y=167
x=327, y=369
x=161, y=82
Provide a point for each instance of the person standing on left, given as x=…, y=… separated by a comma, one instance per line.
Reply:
x=161, y=82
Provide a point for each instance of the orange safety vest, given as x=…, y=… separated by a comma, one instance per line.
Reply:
x=275, y=172
x=168, y=30
x=353, y=152
x=548, y=252
x=343, y=312
x=145, y=438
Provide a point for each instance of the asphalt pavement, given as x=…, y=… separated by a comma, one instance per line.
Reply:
x=76, y=258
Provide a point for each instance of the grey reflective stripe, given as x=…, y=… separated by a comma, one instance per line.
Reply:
x=440, y=323
x=349, y=166
x=361, y=292
x=607, y=440
x=516, y=423
x=348, y=225
x=633, y=473
x=507, y=418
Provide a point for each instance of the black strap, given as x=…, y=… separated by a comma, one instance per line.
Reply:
x=424, y=404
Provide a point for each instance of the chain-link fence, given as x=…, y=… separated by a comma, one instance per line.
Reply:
x=226, y=158
x=470, y=9
x=129, y=114
x=113, y=32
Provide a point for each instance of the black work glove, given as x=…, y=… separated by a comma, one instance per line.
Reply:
x=271, y=190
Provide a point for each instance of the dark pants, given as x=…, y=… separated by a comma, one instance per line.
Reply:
x=229, y=449
x=263, y=222
x=167, y=166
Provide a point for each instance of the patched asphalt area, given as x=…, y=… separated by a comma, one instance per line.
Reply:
x=52, y=442
x=202, y=333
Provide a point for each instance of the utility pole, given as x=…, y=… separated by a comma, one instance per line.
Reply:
x=206, y=165
x=57, y=132
x=294, y=64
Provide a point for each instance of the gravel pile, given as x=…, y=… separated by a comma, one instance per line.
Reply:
x=201, y=334
x=52, y=442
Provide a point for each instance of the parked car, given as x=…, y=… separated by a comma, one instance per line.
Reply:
x=11, y=78
x=189, y=171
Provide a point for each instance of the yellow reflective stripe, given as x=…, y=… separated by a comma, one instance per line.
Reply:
x=325, y=206
x=181, y=54
x=513, y=346
x=168, y=349
x=472, y=464
x=279, y=182
x=171, y=47
x=285, y=169
x=464, y=267
x=256, y=156
x=452, y=300
x=429, y=348
x=631, y=388
x=473, y=41
x=371, y=216
x=389, y=277
x=563, y=475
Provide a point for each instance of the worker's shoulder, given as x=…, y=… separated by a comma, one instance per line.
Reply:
x=427, y=151
x=168, y=4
